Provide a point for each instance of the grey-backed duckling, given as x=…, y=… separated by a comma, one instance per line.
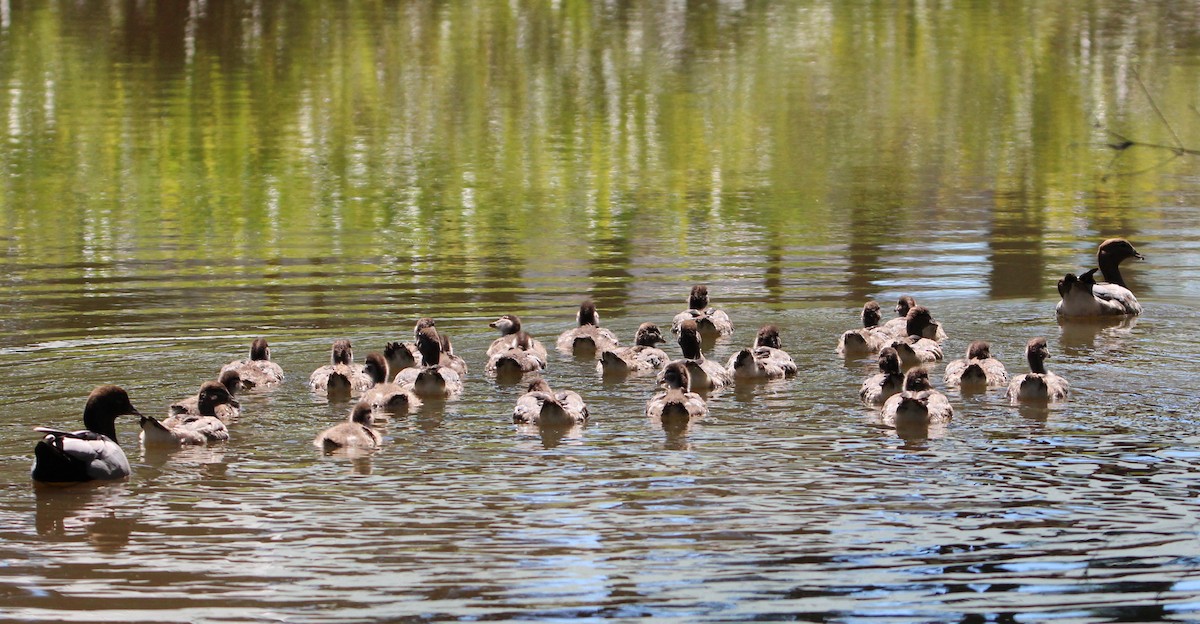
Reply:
x=919, y=405
x=978, y=371
x=704, y=374
x=1039, y=385
x=515, y=352
x=546, y=408
x=1083, y=296
x=258, y=371
x=888, y=381
x=765, y=360
x=355, y=433
x=915, y=349
x=869, y=338
x=230, y=379
x=587, y=338
x=214, y=408
x=383, y=396
x=898, y=327
x=432, y=381
x=91, y=454
x=340, y=376
x=644, y=356
x=513, y=337
x=710, y=321
x=677, y=405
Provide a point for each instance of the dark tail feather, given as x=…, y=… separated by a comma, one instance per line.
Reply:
x=974, y=375
x=613, y=363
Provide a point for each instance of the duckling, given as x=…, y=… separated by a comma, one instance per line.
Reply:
x=677, y=405
x=92, y=454
x=1082, y=296
x=512, y=336
x=1039, y=385
x=915, y=349
x=220, y=404
x=340, y=376
x=869, y=338
x=898, y=327
x=888, y=381
x=432, y=381
x=213, y=408
x=400, y=355
x=542, y=406
x=710, y=321
x=642, y=357
x=768, y=348
x=919, y=404
x=704, y=374
x=258, y=371
x=230, y=379
x=355, y=433
x=384, y=396
x=978, y=370
x=588, y=338
x=447, y=357
x=515, y=352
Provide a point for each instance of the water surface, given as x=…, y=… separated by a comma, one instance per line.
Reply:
x=181, y=177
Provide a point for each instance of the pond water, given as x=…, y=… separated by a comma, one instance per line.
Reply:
x=181, y=177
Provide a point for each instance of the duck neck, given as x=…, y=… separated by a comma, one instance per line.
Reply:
x=1037, y=364
x=104, y=426
x=1111, y=269
x=690, y=346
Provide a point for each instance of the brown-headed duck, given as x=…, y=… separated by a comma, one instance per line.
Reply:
x=915, y=348
x=705, y=374
x=214, y=408
x=340, y=376
x=587, y=338
x=765, y=360
x=383, y=396
x=92, y=454
x=1038, y=385
x=230, y=378
x=888, y=381
x=258, y=371
x=979, y=370
x=432, y=381
x=898, y=327
x=513, y=337
x=546, y=408
x=643, y=356
x=869, y=338
x=677, y=405
x=710, y=321
x=355, y=433
x=918, y=405
x=1083, y=296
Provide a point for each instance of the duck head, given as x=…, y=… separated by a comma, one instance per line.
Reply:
x=889, y=361
x=768, y=336
x=104, y=405
x=429, y=345
x=904, y=304
x=689, y=340
x=648, y=335
x=1111, y=254
x=231, y=380
x=361, y=414
x=507, y=324
x=1036, y=352
x=341, y=353
x=376, y=368
x=212, y=394
x=918, y=318
x=872, y=314
x=587, y=314
x=917, y=380
x=698, y=299
x=676, y=377
x=259, y=350
x=979, y=350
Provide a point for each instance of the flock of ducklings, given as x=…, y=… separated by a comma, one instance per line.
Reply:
x=428, y=370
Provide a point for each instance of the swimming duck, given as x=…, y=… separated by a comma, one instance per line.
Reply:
x=978, y=370
x=914, y=348
x=512, y=336
x=677, y=405
x=888, y=381
x=898, y=327
x=542, y=406
x=1082, y=296
x=1039, y=385
x=869, y=338
x=214, y=407
x=232, y=382
x=340, y=376
x=515, y=352
x=765, y=360
x=65, y=457
x=710, y=321
x=918, y=405
x=588, y=338
x=384, y=396
x=355, y=433
x=432, y=381
x=258, y=371
x=704, y=374
x=643, y=356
